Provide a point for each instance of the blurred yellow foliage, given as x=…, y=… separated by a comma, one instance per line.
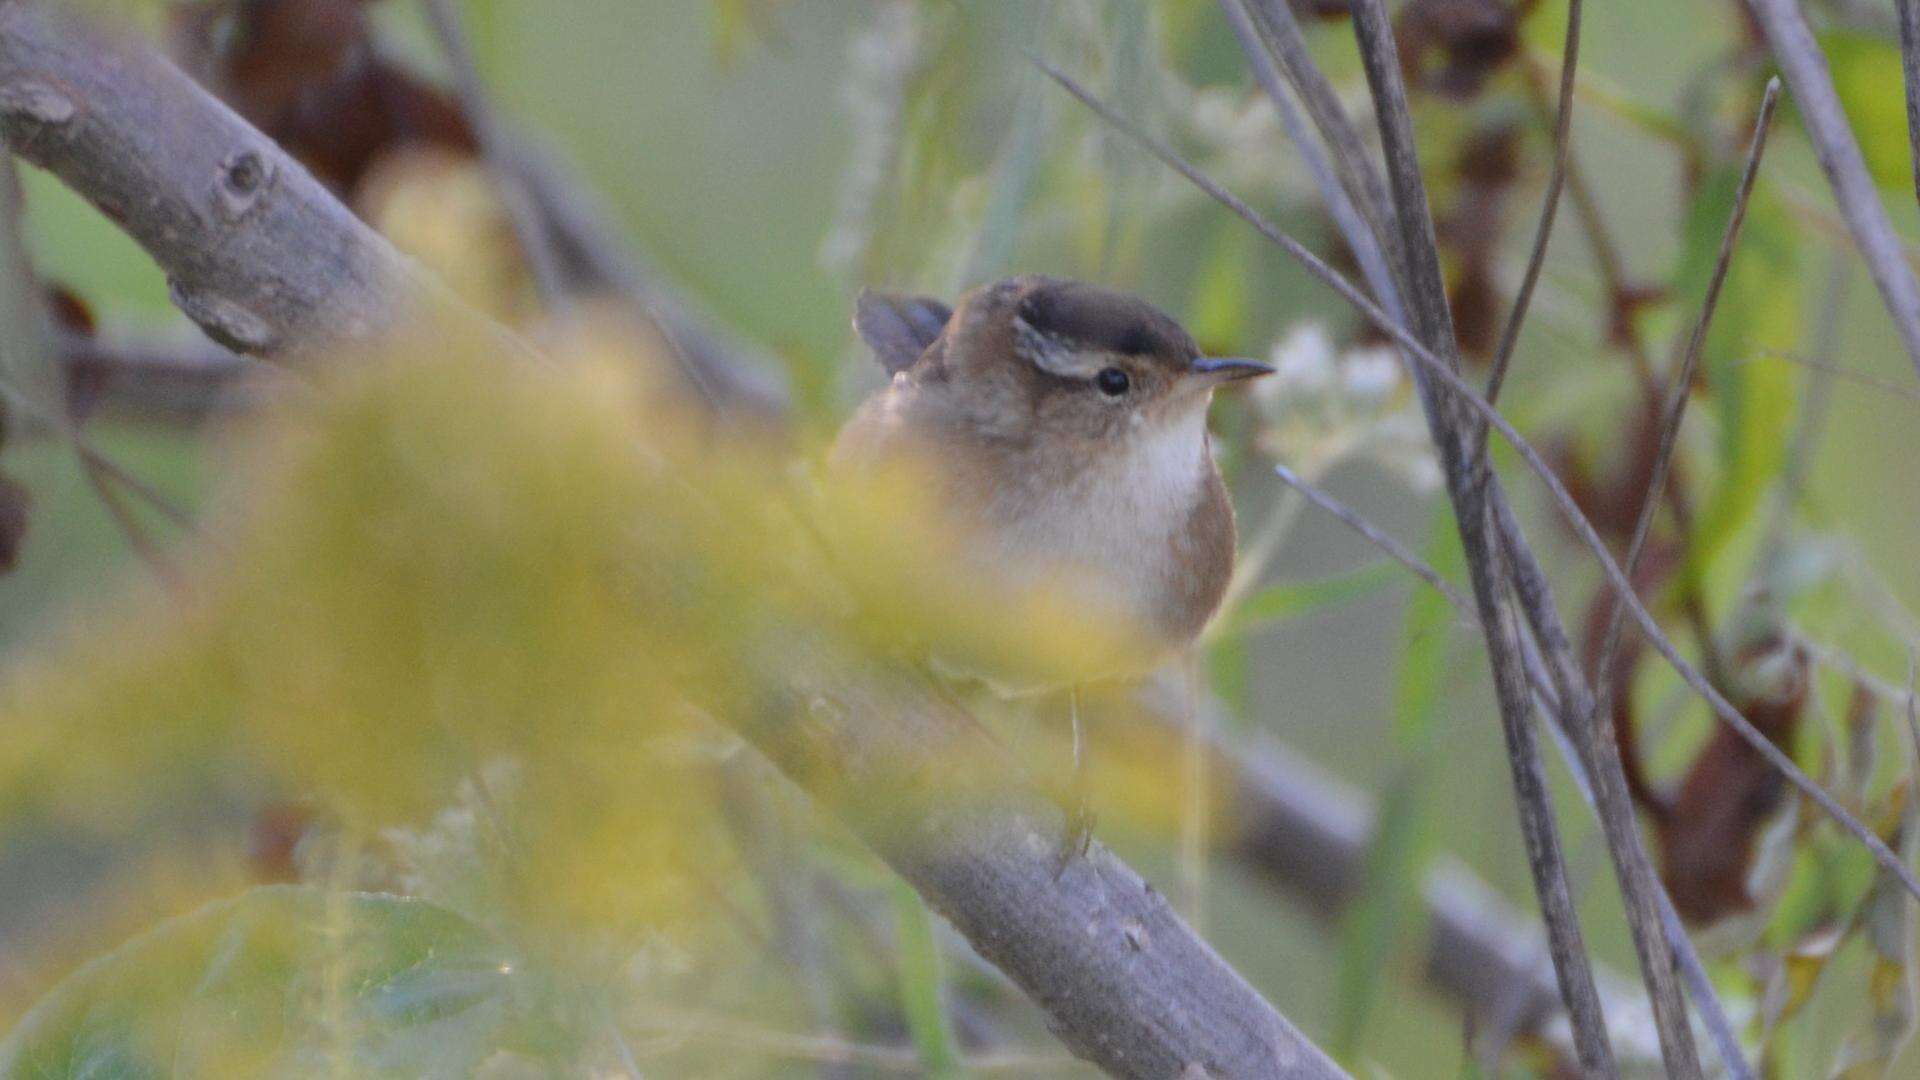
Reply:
x=442, y=209
x=445, y=560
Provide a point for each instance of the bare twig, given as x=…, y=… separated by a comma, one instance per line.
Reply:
x=1549, y=207
x=1844, y=373
x=143, y=545
x=1658, y=934
x=33, y=337
x=1280, y=31
x=1357, y=227
x=1535, y=462
x=96, y=460
x=1909, y=15
x=1394, y=549
x=1806, y=69
x=528, y=224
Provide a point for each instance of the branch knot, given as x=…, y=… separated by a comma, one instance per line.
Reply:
x=244, y=178
x=226, y=321
x=29, y=108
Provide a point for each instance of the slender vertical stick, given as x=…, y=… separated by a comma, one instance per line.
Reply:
x=1458, y=434
x=1909, y=12
x=1680, y=386
x=1276, y=26
x=1650, y=921
x=1806, y=69
x=33, y=338
x=1356, y=226
x=1549, y=206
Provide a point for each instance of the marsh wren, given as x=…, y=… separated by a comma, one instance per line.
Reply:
x=1064, y=428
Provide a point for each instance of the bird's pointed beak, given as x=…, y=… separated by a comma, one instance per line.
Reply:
x=1220, y=369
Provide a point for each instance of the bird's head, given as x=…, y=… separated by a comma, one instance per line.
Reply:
x=1049, y=359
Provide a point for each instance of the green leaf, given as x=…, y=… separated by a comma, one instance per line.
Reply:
x=1867, y=76
x=1292, y=599
x=282, y=980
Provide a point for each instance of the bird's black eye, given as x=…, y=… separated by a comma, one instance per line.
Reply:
x=1112, y=381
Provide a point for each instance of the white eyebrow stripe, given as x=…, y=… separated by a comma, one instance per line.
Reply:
x=1054, y=354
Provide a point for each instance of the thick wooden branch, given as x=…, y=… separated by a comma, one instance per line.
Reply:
x=264, y=259
x=256, y=251
x=1121, y=979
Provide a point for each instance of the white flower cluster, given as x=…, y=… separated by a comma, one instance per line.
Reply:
x=1322, y=405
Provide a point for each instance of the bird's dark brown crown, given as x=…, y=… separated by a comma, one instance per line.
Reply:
x=1101, y=320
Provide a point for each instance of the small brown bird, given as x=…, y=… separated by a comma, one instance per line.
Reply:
x=1065, y=428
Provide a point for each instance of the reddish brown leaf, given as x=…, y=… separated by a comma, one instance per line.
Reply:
x=1624, y=306
x=1451, y=47
x=311, y=75
x=14, y=504
x=1731, y=792
x=1470, y=230
x=69, y=312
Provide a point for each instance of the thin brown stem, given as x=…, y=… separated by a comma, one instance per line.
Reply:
x=1549, y=207
x=1645, y=917
x=1280, y=31
x=1846, y=374
x=1620, y=290
x=1356, y=226
x=1680, y=386
x=1394, y=549
x=128, y=522
x=1614, y=278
